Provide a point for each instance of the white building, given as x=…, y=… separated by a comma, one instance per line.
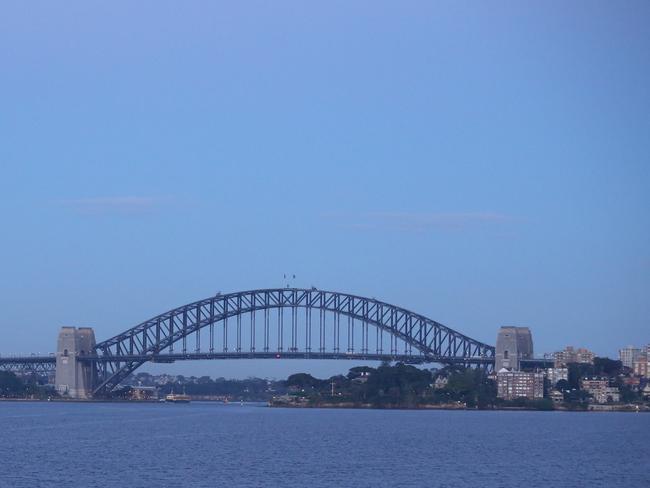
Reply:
x=628, y=355
x=440, y=382
x=556, y=374
x=609, y=394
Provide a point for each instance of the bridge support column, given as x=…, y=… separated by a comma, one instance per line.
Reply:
x=74, y=377
x=513, y=345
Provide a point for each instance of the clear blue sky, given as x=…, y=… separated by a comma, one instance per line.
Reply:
x=484, y=164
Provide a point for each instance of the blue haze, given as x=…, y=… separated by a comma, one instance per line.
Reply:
x=482, y=164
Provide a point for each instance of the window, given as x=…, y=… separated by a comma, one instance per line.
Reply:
x=65, y=352
x=505, y=354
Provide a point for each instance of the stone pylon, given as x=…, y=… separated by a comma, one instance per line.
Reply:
x=74, y=377
x=513, y=345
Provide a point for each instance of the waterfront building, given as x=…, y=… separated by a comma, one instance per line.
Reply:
x=609, y=394
x=144, y=393
x=519, y=384
x=600, y=390
x=556, y=374
x=556, y=396
x=571, y=355
x=593, y=383
x=513, y=345
x=628, y=355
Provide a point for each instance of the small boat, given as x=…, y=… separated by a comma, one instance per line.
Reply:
x=177, y=398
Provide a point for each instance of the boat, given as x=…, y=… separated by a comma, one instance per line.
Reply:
x=177, y=398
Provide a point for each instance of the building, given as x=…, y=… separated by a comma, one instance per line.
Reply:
x=440, y=382
x=646, y=392
x=633, y=382
x=556, y=396
x=628, y=355
x=600, y=390
x=642, y=367
x=571, y=355
x=519, y=384
x=144, y=393
x=609, y=394
x=556, y=374
x=513, y=345
x=593, y=383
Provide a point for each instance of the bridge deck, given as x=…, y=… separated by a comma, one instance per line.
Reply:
x=28, y=364
x=10, y=362
x=407, y=358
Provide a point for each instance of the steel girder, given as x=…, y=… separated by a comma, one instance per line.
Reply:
x=28, y=364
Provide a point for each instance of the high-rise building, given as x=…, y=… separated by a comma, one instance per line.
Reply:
x=518, y=384
x=642, y=367
x=571, y=355
x=628, y=355
x=513, y=345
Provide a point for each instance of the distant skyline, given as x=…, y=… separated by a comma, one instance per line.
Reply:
x=483, y=165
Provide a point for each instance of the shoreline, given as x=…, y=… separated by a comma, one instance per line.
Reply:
x=596, y=408
x=590, y=409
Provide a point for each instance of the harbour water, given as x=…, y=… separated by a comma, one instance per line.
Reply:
x=210, y=444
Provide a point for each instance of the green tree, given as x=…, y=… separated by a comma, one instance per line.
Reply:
x=563, y=385
x=628, y=395
x=472, y=387
x=304, y=380
x=360, y=370
x=607, y=367
x=398, y=385
x=578, y=371
x=11, y=385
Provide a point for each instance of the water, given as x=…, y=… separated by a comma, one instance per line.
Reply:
x=208, y=445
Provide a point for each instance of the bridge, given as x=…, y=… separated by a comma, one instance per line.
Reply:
x=278, y=323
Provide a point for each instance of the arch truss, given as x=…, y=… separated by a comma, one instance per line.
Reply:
x=284, y=323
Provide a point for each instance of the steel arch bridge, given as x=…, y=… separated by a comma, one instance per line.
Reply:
x=287, y=323
x=275, y=323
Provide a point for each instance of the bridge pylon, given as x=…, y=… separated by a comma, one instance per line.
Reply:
x=74, y=377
